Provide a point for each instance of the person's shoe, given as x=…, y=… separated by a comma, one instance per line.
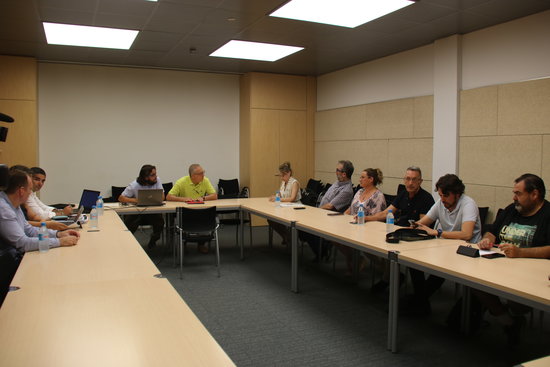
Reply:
x=415, y=306
x=203, y=249
x=513, y=332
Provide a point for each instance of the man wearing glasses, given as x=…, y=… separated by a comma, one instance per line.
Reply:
x=147, y=180
x=410, y=204
x=193, y=187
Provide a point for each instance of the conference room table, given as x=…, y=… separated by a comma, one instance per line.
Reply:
x=100, y=303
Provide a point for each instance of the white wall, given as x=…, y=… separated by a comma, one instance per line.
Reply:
x=99, y=125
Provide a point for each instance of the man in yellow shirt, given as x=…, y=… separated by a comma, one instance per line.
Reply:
x=193, y=187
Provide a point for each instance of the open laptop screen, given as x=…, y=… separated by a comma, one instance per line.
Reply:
x=88, y=199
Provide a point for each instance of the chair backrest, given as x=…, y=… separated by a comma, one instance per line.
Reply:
x=389, y=199
x=167, y=187
x=116, y=191
x=196, y=220
x=400, y=188
x=228, y=188
x=314, y=186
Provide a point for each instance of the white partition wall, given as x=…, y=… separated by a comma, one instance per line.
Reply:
x=98, y=125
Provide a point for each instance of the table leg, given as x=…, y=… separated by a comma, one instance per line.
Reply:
x=241, y=239
x=393, y=304
x=294, y=240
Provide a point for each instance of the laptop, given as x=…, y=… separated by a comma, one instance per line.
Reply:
x=150, y=197
x=73, y=218
x=88, y=199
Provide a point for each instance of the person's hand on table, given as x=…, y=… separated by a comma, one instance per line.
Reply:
x=510, y=250
x=68, y=241
x=432, y=232
x=485, y=244
x=272, y=198
x=69, y=233
x=57, y=226
x=68, y=210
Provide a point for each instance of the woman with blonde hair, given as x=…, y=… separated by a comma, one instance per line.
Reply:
x=289, y=192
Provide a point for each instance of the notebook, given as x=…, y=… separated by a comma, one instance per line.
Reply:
x=150, y=197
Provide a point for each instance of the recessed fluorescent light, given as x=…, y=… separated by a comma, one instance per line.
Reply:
x=344, y=13
x=79, y=35
x=254, y=51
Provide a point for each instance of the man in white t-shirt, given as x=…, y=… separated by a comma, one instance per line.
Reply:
x=34, y=205
x=456, y=216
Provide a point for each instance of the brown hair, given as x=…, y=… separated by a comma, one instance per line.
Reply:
x=376, y=174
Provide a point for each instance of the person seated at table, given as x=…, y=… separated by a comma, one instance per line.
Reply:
x=289, y=193
x=457, y=217
x=17, y=236
x=337, y=198
x=521, y=230
x=147, y=180
x=410, y=204
x=193, y=187
x=42, y=211
x=373, y=202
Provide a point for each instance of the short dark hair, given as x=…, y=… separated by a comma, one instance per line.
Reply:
x=347, y=167
x=20, y=167
x=376, y=174
x=37, y=171
x=17, y=178
x=532, y=182
x=450, y=184
x=415, y=169
x=144, y=172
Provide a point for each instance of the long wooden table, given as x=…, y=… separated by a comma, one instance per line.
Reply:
x=99, y=304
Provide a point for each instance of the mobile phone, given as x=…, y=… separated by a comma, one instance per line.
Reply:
x=493, y=255
x=334, y=213
x=413, y=224
x=299, y=208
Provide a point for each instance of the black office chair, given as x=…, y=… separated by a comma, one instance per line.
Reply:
x=116, y=191
x=483, y=211
x=167, y=187
x=197, y=225
x=229, y=189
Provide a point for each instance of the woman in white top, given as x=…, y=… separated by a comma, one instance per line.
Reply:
x=289, y=193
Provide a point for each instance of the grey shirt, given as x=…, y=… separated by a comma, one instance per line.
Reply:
x=465, y=211
x=132, y=189
x=339, y=195
x=16, y=232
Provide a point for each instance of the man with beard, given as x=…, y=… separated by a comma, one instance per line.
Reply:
x=520, y=230
x=457, y=217
x=147, y=180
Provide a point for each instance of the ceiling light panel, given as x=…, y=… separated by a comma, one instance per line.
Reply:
x=343, y=13
x=86, y=36
x=254, y=51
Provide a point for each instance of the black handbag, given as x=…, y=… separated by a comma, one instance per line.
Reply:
x=408, y=234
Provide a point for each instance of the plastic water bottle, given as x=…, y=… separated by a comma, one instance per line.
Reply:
x=43, y=236
x=94, y=220
x=99, y=205
x=277, y=199
x=390, y=220
x=360, y=215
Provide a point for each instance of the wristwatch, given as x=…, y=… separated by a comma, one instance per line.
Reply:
x=439, y=232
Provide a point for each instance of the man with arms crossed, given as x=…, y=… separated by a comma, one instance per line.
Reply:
x=337, y=198
x=521, y=230
x=146, y=180
x=457, y=217
x=17, y=236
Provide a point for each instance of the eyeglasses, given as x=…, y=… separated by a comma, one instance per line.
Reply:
x=411, y=179
x=339, y=170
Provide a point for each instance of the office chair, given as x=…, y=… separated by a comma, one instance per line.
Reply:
x=116, y=191
x=197, y=225
x=229, y=189
x=167, y=187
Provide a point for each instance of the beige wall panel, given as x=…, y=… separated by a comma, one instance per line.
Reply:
x=483, y=195
x=292, y=135
x=409, y=152
x=423, y=117
x=498, y=160
x=478, y=111
x=545, y=174
x=392, y=119
x=310, y=125
x=327, y=154
x=325, y=177
x=18, y=78
x=244, y=131
x=21, y=146
x=523, y=108
x=370, y=154
x=341, y=124
x=264, y=131
x=390, y=185
x=276, y=91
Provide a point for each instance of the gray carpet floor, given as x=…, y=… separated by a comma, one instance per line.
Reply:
x=333, y=321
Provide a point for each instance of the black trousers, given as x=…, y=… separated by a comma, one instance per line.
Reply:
x=9, y=262
x=424, y=288
x=155, y=220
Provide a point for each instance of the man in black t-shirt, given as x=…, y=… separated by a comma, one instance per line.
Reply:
x=412, y=203
x=521, y=230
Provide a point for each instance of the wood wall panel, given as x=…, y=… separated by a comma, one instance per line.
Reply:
x=18, y=78
x=280, y=92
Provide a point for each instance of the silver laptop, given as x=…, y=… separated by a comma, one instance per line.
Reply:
x=151, y=197
x=73, y=218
